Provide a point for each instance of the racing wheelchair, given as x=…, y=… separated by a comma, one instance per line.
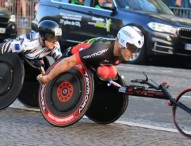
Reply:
x=66, y=99
x=79, y=91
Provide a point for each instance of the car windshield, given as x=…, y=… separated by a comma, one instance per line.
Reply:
x=156, y=6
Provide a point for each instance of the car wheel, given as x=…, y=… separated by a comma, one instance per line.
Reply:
x=139, y=57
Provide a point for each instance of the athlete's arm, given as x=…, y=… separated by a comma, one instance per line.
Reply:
x=10, y=46
x=18, y=45
x=62, y=66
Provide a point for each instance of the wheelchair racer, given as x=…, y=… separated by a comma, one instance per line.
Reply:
x=101, y=53
x=36, y=45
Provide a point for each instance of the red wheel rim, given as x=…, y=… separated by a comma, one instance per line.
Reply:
x=65, y=91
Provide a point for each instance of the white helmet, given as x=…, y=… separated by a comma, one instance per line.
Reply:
x=131, y=35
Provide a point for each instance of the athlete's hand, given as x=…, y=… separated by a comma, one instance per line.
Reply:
x=42, y=71
x=42, y=79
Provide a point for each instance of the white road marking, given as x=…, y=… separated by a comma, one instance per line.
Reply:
x=187, y=96
x=146, y=126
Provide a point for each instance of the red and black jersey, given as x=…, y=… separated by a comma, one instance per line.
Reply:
x=96, y=52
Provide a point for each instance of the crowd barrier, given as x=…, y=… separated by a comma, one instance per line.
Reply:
x=182, y=12
x=23, y=10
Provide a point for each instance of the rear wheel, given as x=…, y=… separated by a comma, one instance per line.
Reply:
x=29, y=93
x=11, y=78
x=65, y=99
x=182, y=118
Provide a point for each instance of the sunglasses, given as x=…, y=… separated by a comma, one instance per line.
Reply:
x=132, y=48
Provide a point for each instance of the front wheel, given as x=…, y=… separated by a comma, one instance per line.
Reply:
x=182, y=118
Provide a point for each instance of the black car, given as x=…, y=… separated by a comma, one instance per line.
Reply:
x=8, y=27
x=165, y=33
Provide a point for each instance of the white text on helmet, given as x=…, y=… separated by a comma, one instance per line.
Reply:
x=128, y=34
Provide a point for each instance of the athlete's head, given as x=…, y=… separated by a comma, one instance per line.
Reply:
x=50, y=33
x=130, y=39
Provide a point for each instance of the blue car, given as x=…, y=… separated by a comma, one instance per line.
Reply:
x=165, y=34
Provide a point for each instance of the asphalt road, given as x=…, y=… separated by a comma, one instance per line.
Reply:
x=153, y=111
x=28, y=128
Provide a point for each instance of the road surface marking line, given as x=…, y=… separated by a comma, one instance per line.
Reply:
x=146, y=126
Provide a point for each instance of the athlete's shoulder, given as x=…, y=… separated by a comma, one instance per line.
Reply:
x=107, y=40
x=32, y=35
x=28, y=37
x=100, y=40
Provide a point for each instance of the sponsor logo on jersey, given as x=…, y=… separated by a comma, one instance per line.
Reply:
x=106, y=61
x=95, y=54
x=17, y=47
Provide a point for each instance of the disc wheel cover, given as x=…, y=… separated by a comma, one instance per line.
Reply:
x=65, y=99
x=29, y=93
x=5, y=78
x=11, y=78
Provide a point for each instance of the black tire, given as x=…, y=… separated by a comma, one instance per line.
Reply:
x=65, y=99
x=181, y=118
x=11, y=78
x=108, y=104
